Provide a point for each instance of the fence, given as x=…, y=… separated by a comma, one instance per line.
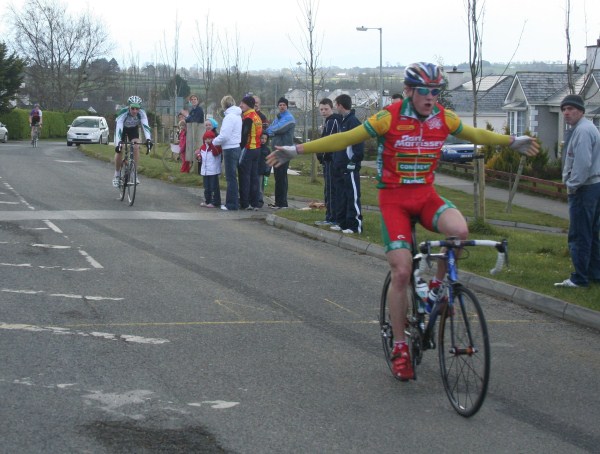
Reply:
x=547, y=188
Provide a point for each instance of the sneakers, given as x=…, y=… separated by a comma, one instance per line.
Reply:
x=401, y=363
x=115, y=182
x=224, y=208
x=336, y=228
x=348, y=231
x=209, y=205
x=137, y=180
x=567, y=283
x=323, y=222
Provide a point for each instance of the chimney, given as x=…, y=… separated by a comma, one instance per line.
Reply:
x=455, y=78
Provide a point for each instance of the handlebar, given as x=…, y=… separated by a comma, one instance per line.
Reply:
x=148, y=144
x=451, y=243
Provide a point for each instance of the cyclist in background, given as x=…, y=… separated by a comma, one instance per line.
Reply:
x=410, y=135
x=35, y=119
x=127, y=126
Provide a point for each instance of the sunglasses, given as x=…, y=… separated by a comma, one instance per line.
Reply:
x=134, y=108
x=425, y=91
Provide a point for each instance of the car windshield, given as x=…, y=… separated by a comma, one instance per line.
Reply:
x=86, y=123
x=451, y=140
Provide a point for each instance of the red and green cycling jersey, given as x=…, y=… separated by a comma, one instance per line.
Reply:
x=408, y=146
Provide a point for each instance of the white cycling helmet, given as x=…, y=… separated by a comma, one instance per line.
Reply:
x=134, y=101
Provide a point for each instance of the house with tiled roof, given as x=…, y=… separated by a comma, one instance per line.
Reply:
x=491, y=93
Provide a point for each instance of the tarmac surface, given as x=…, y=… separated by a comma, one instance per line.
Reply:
x=527, y=298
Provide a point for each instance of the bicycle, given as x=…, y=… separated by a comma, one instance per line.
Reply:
x=128, y=180
x=463, y=341
x=35, y=134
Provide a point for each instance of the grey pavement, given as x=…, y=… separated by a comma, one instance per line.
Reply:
x=527, y=298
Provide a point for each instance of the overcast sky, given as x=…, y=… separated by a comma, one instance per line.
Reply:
x=272, y=32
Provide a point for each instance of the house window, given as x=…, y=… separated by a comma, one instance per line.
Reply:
x=516, y=122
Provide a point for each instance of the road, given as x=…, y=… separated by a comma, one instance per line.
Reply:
x=164, y=327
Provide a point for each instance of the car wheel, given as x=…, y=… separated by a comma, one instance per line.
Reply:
x=69, y=143
x=5, y=138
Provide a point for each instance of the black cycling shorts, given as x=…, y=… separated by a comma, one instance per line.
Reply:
x=129, y=134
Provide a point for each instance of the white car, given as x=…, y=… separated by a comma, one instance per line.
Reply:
x=88, y=130
x=3, y=133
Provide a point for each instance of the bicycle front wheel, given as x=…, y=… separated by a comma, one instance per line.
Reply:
x=131, y=182
x=464, y=352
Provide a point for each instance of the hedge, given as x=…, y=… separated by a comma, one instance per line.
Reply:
x=55, y=124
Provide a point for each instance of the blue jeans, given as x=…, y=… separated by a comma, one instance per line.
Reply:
x=583, y=239
x=231, y=158
x=249, y=179
x=212, y=192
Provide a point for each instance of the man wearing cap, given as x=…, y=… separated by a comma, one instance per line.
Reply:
x=282, y=133
x=248, y=168
x=581, y=176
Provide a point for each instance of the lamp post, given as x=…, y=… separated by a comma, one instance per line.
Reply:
x=364, y=29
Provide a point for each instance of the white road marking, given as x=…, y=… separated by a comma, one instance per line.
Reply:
x=52, y=226
x=24, y=265
x=90, y=259
x=50, y=246
x=67, y=332
x=67, y=162
x=18, y=196
x=9, y=203
x=44, y=267
x=216, y=404
x=62, y=295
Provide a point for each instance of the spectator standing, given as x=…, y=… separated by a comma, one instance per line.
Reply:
x=209, y=161
x=282, y=133
x=210, y=125
x=250, y=144
x=331, y=125
x=263, y=117
x=185, y=164
x=229, y=140
x=195, y=127
x=581, y=175
x=262, y=165
x=346, y=174
x=264, y=169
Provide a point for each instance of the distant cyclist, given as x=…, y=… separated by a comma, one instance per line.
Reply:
x=128, y=121
x=410, y=135
x=35, y=119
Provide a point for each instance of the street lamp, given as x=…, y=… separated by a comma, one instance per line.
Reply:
x=364, y=29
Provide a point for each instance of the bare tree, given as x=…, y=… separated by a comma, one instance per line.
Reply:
x=235, y=65
x=170, y=58
x=205, y=49
x=310, y=52
x=57, y=48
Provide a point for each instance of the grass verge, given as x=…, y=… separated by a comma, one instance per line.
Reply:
x=537, y=259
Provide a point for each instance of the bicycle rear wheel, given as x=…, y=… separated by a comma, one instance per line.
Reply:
x=464, y=352
x=412, y=331
x=131, y=182
x=385, y=324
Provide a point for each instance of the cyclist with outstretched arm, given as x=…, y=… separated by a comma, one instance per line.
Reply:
x=127, y=126
x=410, y=135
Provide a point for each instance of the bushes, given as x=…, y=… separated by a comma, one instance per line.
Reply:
x=55, y=124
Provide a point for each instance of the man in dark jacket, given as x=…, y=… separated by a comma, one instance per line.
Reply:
x=331, y=125
x=346, y=174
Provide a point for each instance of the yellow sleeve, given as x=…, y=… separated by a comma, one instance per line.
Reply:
x=337, y=142
x=482, y=136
